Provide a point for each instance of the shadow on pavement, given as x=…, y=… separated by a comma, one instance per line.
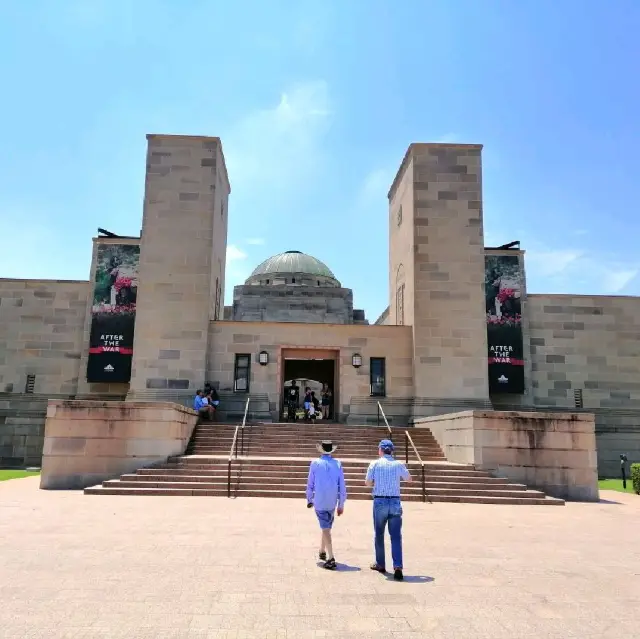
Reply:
x=341, y=567
x=412, y=579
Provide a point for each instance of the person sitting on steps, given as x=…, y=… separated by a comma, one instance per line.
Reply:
x=201, y=405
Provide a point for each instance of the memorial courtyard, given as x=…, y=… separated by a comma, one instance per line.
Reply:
x=74, y=566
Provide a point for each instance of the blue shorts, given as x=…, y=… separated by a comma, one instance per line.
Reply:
x=307, y=405
x=325, y=519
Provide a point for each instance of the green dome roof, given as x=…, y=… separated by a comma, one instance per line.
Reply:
x=293, y=262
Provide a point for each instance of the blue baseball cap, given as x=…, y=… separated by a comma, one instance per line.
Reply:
x=386, y=445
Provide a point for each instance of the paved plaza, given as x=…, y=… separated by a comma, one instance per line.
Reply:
x=195, y=567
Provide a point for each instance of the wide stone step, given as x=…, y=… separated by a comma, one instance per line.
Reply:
x=506, y=491
x=274, y=462
x=343, y=447
x=303, y=430
x=176, y=492
x=343, y=440
x=310, y=431
x=310, y=445
x=346, y=454
x=205, y=461
x=275, y=471
x=353, y=483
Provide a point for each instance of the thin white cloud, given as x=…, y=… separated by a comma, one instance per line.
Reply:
x=255, y=241
x=375, y=187
x=573, y=270
x=449, y=138
x=552, y=262
x=237, y=270
x=616, y=281
x=280, y=148
x=234, y=254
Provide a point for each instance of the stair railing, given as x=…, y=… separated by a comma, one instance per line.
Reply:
x=407, y=441
x=381, y=412
x=233, y=453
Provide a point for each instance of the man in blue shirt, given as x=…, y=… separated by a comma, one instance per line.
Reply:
x=384, y=476
x=201, y=405
x=326, y=490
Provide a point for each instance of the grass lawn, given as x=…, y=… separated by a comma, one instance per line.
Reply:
x=613, y=484
x=17, y=474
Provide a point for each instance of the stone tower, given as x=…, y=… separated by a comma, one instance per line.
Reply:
x=436, y=270
x=182, y=261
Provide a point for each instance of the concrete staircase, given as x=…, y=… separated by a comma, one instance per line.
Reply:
x=273, y=461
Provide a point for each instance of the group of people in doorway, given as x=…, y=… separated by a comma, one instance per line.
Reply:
x=314, y=407
x=327, y=493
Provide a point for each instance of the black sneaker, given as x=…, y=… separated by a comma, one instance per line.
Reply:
x=330, y=564
x=397, y=574
x=322, y=556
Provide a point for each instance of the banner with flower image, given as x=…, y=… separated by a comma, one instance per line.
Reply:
x=503, y=293
x=113, y=313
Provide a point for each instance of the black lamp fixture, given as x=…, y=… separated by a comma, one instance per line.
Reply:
x=263, y=358
x=356, y=360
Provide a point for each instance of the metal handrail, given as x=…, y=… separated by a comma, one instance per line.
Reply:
x=381, y=411
x=407, y=441
x=233, y=453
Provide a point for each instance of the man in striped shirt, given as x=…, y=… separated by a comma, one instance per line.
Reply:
x=384, y=476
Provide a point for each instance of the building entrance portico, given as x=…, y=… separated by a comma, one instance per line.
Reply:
x=310, y=367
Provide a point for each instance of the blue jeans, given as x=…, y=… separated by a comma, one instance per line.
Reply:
x=388, y=511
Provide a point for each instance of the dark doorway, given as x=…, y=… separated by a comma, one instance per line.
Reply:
x=312, y=373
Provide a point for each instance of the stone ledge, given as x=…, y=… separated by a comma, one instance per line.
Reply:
x=504, y=414
x=119, y=405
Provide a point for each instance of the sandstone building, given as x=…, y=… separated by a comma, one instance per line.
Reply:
x=460, y=330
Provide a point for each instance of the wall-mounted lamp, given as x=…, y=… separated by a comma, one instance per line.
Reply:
x=263, y=358
x=356, y=360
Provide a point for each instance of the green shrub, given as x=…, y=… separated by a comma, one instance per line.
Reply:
x=635, y=478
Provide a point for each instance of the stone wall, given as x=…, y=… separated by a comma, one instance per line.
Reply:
x=554, y=452
x=87, y=442
x=442, y=256
x=22, y=419
x=184, y=217
x=41, y=329
x=227, y=339
x=590, y=344
x=292, y=303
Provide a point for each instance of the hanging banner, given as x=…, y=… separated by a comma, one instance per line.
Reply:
x=113, y=313
x=503, y=291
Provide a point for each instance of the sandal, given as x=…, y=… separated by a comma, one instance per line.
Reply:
x=330, y=564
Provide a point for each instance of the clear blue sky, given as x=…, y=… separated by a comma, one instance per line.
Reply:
x=316, y=104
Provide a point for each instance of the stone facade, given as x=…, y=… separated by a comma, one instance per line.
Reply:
x=391, y=342
x=40, y=349
x=580, y=353
x=437, y=268
x=183, y=245
x=41, y=324
x=590, y=345
x=554, y=452
x=79, y=451
x=308, y=304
